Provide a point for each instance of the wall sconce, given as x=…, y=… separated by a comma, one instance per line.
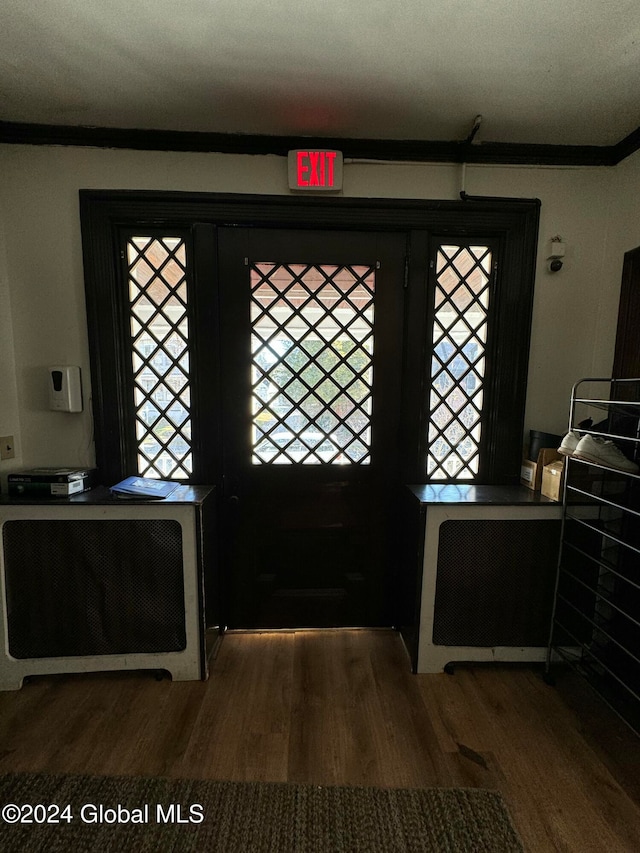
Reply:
x=556, y=254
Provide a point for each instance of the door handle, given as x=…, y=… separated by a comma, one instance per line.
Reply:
x=234, y=500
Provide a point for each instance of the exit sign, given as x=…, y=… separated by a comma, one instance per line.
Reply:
x=315, y=170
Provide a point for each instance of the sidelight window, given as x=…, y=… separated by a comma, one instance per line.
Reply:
x=160, y=355
x=458, y=361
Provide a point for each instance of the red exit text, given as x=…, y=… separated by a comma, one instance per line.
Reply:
x=319, y=170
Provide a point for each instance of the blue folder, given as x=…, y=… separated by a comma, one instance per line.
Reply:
x=144, y=488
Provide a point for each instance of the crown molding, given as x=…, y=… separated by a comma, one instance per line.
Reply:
x=627, y=146
x=19, y=133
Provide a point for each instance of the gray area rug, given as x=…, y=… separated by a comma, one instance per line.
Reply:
x=109, y=813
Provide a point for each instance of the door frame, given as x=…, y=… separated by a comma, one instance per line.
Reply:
x=626, y=361
x=104, y=213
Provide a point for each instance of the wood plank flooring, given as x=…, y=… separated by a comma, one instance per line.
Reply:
x=342, y=707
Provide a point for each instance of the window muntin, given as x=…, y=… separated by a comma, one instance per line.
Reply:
x=160, y=356
x=312, y=363
x=458, y=361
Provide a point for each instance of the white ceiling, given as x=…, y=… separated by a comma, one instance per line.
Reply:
x=539, y=71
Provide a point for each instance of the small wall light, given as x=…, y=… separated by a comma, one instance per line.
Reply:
x=556, y=254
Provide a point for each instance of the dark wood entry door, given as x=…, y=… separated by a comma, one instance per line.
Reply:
x=311, y=361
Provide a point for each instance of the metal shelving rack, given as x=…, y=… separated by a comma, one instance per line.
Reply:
x=596, y=615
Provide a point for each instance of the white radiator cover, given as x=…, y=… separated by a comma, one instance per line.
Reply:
x=185, y=663
x=434, y=657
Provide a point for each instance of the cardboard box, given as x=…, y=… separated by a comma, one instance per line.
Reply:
x=531, y=472
x=51, y=482
x=528, y=473
x=552, y=480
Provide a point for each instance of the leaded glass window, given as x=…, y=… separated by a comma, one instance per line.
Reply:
x=458, y=361
x=312, y=363
x=160, y=355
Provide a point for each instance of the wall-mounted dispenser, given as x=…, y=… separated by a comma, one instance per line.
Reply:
x=65, y=389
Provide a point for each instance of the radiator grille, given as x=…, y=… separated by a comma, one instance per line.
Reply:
x=495, y=581
x=93, y=587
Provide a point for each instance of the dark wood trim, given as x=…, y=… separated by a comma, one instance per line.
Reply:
x=414, y=370
x=626, y=362
x=627, y=146
x=108, y=373
x=22, y=133
x=515, y=286
x=166, y=209
x=205, y=347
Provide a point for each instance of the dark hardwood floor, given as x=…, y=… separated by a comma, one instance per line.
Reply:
x=342, y=707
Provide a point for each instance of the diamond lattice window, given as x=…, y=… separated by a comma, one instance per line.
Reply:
x=160, y=355
x=311, y=370
x=458, y=361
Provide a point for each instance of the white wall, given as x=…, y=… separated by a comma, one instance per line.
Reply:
x=574, y=311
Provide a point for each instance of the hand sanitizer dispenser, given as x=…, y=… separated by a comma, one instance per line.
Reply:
x=65, y=389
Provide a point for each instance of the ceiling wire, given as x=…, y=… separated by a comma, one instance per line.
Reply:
x=476, y=127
